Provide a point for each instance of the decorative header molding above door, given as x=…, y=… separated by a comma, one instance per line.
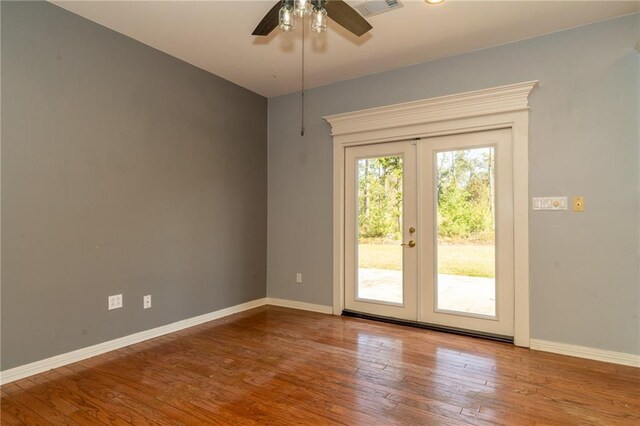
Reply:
x=412, y=115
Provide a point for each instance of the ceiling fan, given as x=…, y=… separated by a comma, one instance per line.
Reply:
x=281, y=14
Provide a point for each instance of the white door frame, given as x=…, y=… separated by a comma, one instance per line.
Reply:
x=494, y=108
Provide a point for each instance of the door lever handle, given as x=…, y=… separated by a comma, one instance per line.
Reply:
x=411, y=244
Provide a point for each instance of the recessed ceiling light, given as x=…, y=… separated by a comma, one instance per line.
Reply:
x=434, y=1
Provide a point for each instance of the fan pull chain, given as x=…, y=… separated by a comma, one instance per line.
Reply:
x=302, y=117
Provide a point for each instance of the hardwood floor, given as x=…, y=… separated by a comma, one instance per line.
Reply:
x=274, y=365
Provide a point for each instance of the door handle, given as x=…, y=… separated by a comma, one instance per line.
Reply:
x=411, y=244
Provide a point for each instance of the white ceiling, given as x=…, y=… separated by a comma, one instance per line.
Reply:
x=216, y=35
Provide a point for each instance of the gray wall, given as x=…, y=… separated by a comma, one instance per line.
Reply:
x=584, y=140
x=124, y=170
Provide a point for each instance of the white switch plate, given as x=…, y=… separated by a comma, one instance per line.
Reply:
x=146, y=301
x=299, y=278
x=115, y=302
x=549, y=203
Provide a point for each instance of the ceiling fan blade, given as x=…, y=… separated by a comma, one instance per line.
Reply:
x=269, y=22
x=345, y=16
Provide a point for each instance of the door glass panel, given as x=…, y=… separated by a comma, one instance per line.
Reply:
x=379, y=229
x=465, y=246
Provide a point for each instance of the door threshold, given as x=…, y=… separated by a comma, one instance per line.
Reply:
x=434, y=327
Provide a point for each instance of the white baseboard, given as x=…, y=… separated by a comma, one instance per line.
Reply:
x=323, y=309
x=586, y=352
x=47, y=364
x=26, y=370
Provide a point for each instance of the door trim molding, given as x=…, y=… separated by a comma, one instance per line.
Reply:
x=493, y=108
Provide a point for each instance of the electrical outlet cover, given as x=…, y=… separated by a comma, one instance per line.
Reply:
x=114, y=302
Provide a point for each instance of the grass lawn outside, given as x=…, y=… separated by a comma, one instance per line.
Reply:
x=472, y=260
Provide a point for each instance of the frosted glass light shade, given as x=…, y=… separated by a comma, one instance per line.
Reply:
x=319, y=20
x=286, y=18
x=302, y=8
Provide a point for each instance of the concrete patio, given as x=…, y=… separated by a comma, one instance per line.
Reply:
x=455, y=292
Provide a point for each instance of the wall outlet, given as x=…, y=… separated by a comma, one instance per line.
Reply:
x=299, y=278
x=146, y=301
x=114, y=302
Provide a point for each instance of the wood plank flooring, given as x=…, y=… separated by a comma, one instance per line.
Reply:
x=274, y=365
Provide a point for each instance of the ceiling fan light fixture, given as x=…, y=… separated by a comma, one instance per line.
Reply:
x=286, y=23
x=319, y=19
x=302, y=8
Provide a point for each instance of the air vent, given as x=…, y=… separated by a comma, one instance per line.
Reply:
x=376, y=7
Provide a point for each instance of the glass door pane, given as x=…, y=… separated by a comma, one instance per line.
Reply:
x=379, y=229
x=465, y=238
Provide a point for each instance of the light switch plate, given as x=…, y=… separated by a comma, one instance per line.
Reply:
x=549, y=203
x=578, y=204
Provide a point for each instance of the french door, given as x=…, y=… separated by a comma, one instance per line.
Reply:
x=429, y=231
x=381, y=213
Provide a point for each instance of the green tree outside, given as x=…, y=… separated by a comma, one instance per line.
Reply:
x=380, y=198
x=465, y=195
